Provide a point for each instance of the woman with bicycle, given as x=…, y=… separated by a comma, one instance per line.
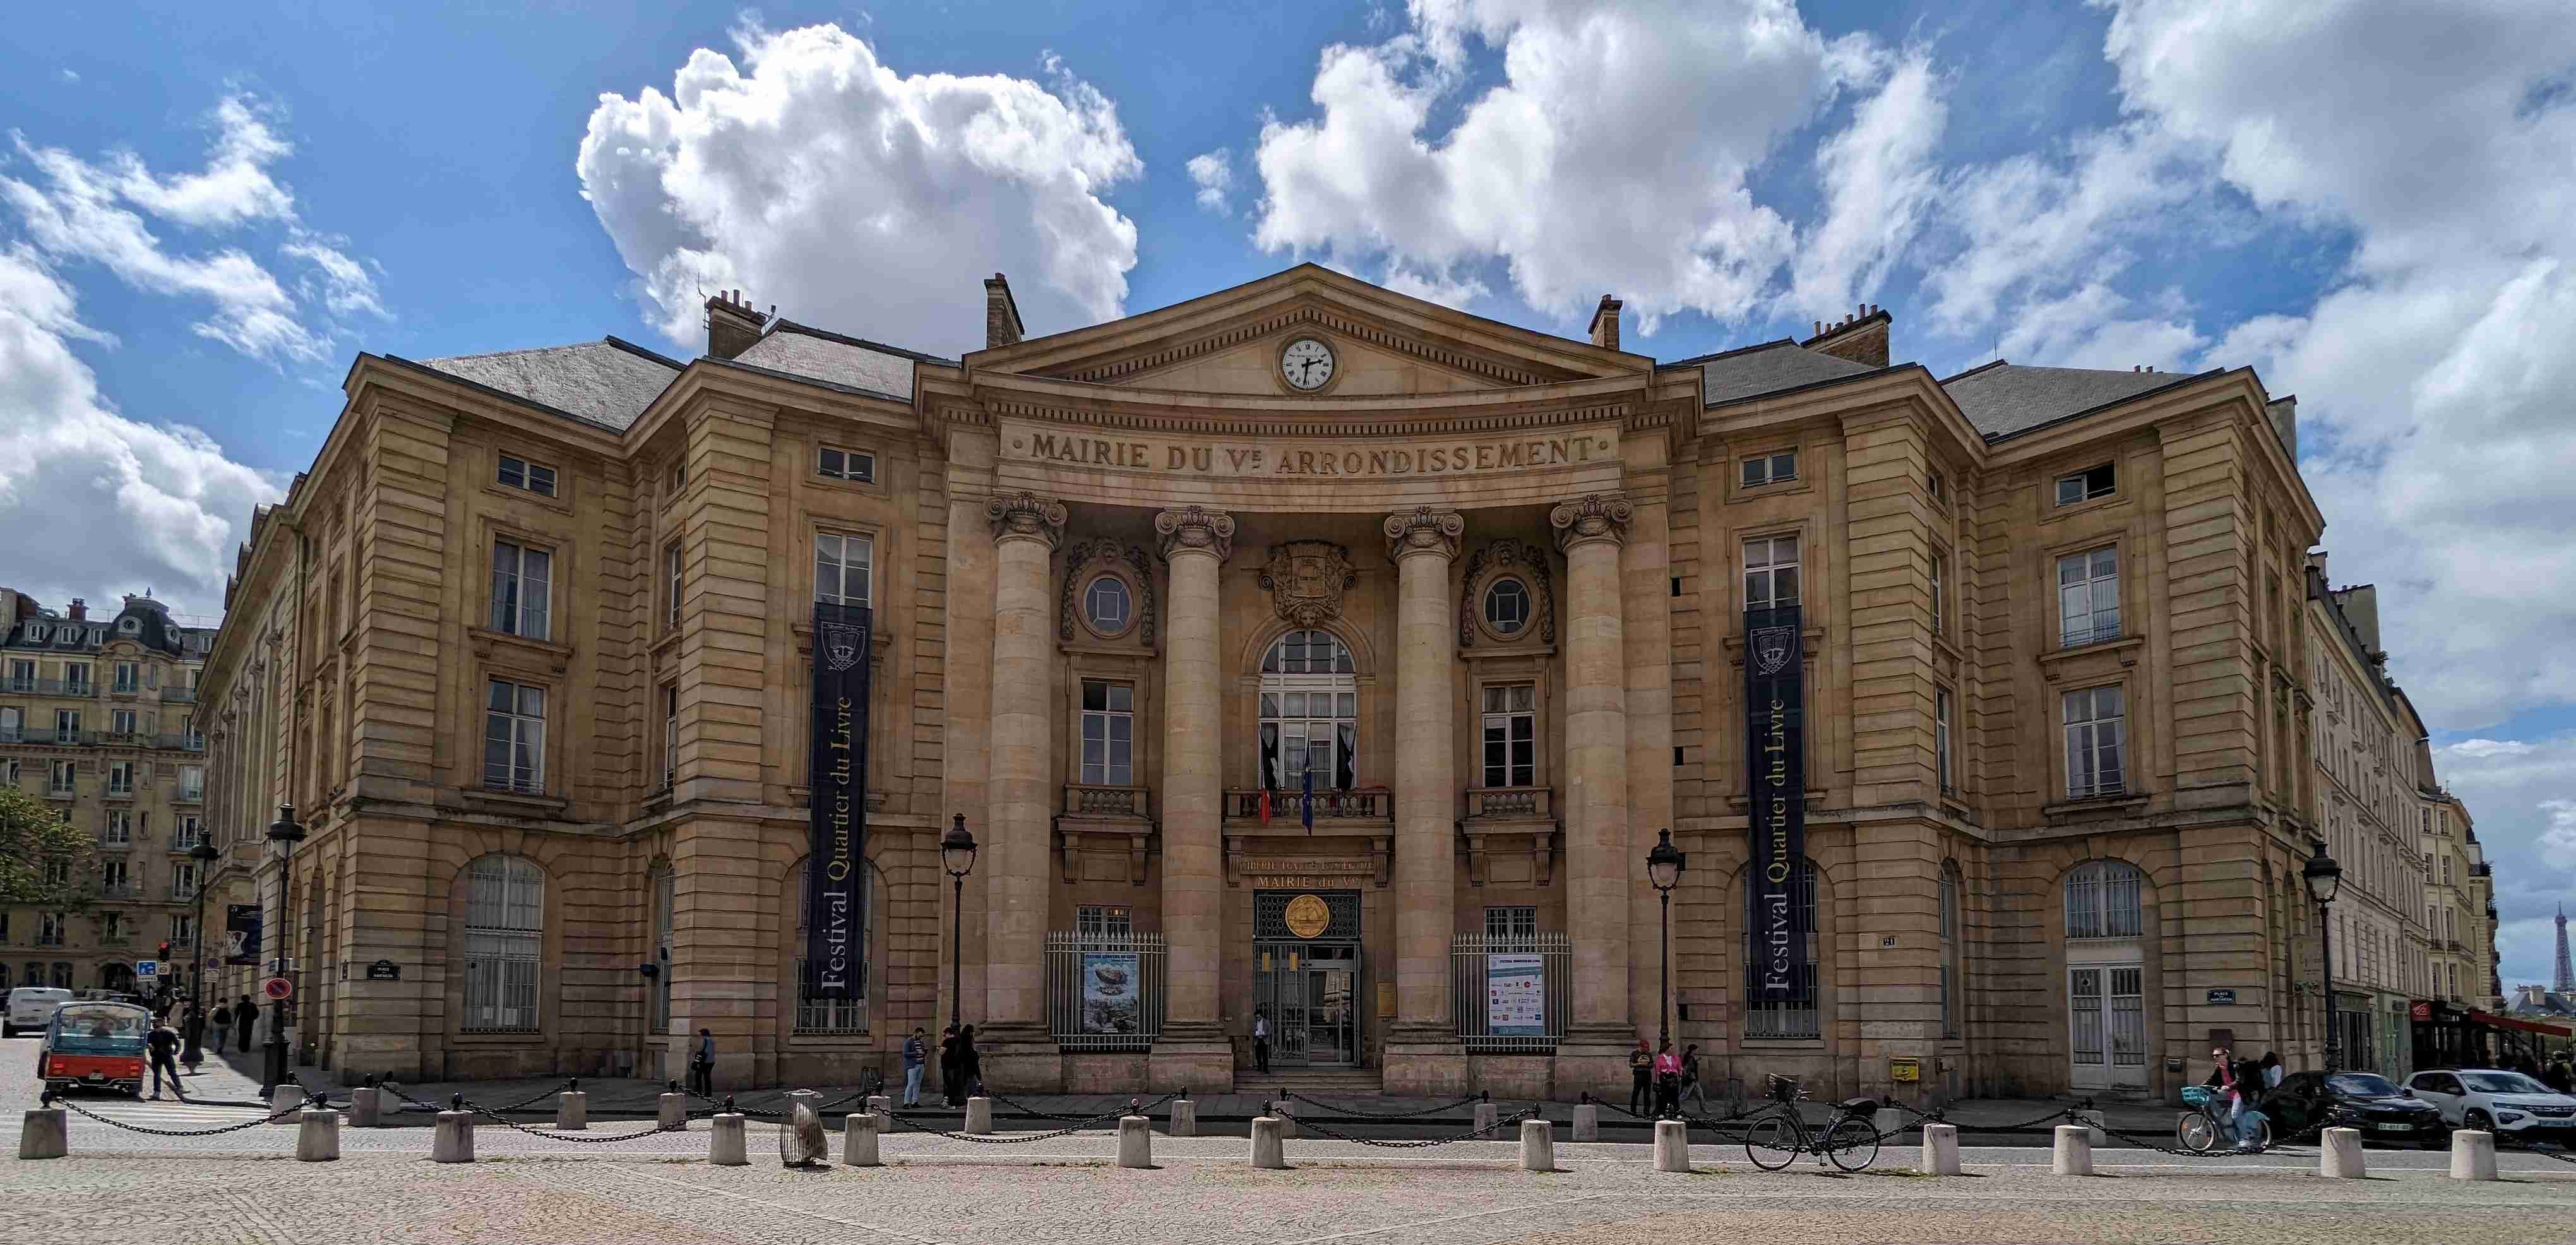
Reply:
x=2234, y=1083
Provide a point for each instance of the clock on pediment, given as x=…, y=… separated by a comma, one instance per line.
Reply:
x=1307, y=364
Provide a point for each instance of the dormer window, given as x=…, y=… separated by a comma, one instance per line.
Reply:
x=129, y=625
x=36, y=632
x=2085, y=485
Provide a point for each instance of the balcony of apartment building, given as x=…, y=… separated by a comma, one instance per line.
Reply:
x=188, y=741
x=83, y=688
x=58, y=738
x=1354, y=810
x=127, y=891
x=178, y=695
x=189, y=793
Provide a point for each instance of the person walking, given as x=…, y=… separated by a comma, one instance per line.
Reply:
x=2270, y=1070
x=1641, y=1078
x=952, y=1069
x=245, y=1015
x=916, y=1053
x=1668, y=1081
x=970, y=1065
x=2557, y=1075
x=163, y=1043
x=1692, y=1089
x=223, y=1021
x=702, y=1065
x=192, y=1037
x=1261, y=1039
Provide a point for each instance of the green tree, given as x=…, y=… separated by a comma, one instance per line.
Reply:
x=44, y=861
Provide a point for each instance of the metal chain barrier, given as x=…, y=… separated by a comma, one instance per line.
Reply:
x=1025, y=1109
x=86, y=1113
x=1512, y=1120
x=1023, y=1138
x=1383, y=1115
x=496, y=1116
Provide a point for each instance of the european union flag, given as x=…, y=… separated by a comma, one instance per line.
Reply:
x=1308, y=816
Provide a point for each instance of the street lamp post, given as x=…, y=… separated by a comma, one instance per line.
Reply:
x=286, y=834
x=957, y=855
x=2323, y=876
x=204, y=854
x=1664, y=868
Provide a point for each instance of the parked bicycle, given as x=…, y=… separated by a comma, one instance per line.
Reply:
x=2200, y=1129
x=1776, y=1137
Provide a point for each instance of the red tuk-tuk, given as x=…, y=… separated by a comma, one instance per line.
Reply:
x=97, y=1045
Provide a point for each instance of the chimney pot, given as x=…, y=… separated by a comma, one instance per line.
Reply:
x=732, y=326
x=80, y=610
x=1002, y=326
x=1605, y=323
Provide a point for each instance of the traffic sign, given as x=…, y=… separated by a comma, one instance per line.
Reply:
x=277, y=988
x=146, y=970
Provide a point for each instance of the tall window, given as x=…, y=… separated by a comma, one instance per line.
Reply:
x=67, y=726
x=841, y=567
x=670, y=734
x=1940, y=594
x=129, y=677
x=192, y=831
x=1511, y=923
x=2096, y=743
x=1511, y=735
x=2088, y=596
x=76, y=678
x=112, y=876
x=522, y=585
x=514, y=738
x=1793, y=1014
x=2103, y=900
x=671, y=584
x=1950, y=982
x=183, y=928
x=120, y=828
x=120, y=778
x=49, y=930
x=1108, y=733
x=183, y=880
x=822, y=1013
x=665, y=892
x=1770, y=572
x=192, y=783
x=505, y=928
x=1309, y=713
x=1941, y=762
x=59, y=777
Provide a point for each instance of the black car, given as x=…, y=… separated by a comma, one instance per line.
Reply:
x=2363, y=1100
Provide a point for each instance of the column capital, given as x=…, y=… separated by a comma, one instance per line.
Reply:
x=1195, y=529
x=1591, y=517
x=1424, y=530
x=1026, y=517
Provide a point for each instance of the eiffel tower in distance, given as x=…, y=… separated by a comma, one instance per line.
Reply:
x=2566, y=982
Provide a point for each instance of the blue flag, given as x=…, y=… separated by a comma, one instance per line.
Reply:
x=1309, y=802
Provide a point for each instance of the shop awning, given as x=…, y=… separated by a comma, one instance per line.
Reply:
x=2509, y=1022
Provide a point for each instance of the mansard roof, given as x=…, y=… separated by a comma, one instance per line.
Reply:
x=854, y=363
x=1772, y=367
x=607, y=383
x=2006, y=399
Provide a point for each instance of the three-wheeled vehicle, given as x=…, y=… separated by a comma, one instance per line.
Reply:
x=95, y=1045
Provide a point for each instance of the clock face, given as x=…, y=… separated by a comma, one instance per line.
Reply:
x=1306, y=363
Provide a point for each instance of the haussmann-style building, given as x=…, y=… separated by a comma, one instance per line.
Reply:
x=1304, y=651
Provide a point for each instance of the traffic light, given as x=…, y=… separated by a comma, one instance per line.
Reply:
x=165, y=952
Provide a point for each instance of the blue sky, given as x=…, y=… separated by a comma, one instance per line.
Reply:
x=205, y=210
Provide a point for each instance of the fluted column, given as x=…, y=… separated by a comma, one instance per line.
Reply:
x=1196, y=543
x=1422, y=543
x=1014, y=857
x=1598, y=864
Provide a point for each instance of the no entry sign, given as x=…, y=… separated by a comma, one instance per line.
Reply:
x=277, y=988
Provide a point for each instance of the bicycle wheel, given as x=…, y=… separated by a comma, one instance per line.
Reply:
x=1851, y=1143
x=2196, y=1131
x=2262, y=1133
x=1772, y=1143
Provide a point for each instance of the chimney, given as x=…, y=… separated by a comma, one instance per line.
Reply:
x=732, y=326
x=2285, y=420
x=1605, y=323
x=1002, y=325
x=1860, y=337
x=80, y=610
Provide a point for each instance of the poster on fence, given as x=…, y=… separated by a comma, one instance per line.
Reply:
x=1515, y=995
x=1111, y=987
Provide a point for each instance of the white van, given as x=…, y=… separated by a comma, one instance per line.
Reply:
x=32, y=1008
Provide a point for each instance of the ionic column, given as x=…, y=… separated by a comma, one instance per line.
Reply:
x=1195, y=542
x=1422, y=543
x=1598, y=867
x=1018, y=810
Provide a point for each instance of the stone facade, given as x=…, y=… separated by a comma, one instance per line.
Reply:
x=1135, y=585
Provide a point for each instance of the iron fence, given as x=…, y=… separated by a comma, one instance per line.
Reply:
x=1105, y=992
x=1511, y=994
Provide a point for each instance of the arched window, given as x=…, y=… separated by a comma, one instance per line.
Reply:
x=1792, y=1013
x=2102, y=900
x=1951, y=983
x=849, y=1013
x=505, y=919
x=665, y=892
x=1309, y=713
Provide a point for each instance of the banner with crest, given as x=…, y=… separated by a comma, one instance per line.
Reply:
x=834, y=881
x=1775, y=731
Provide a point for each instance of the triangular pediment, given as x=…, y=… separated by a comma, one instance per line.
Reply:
x=1383, y=342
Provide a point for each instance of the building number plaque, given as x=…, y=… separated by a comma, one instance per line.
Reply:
x=1307, y=916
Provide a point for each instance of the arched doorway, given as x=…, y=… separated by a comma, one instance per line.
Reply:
x=2106, y=976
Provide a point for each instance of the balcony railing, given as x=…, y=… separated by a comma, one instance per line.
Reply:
x=120, y=791
x=123, y=739
x=62, y=790
x=1090, y=800
x=1105, y=993
x=18, y=686
x=178, y=695
x=181, y=841
x=114, y=840
x=1518, y=803
x=1357, y=804
x=48, y=735
x=190, y=742
x=1511, y=994
x=192, y=795
x=120, y=890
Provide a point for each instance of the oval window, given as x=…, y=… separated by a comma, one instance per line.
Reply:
x=1105, y=604
x=1507, y=606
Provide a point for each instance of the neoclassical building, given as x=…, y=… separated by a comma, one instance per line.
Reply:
x=1303, y=651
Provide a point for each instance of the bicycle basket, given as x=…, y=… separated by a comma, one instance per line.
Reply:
x=1783, y=1088
x=2195, y=1095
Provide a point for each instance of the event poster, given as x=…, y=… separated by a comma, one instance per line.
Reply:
x=1775, y=733
x=1111, y=989
x=1515, y=994
x=839, y=761
x=241, y=933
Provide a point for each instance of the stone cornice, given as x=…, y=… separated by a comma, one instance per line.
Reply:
x=1590, y=518
x=1195, y=529
x=1026, y=517
x=1351, y=327
x=1244, y=416
x=1424, y=530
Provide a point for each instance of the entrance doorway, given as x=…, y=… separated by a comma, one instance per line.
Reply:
x=2106, y=1019
x=1310, y=992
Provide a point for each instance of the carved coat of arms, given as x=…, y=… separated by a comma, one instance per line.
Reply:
x=1306, y=579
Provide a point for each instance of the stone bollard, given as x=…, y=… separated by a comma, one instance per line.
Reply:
x=2074, y=1156
x=725, y=1146
x=1487, y=1115
x=284, y=1096
x=1887, y=1120
x=572, y=1111
x=2093, y=1125
x=2472, y=1155
x=47, y=1134
x=1538, y=1146
x=366, y=1107
x=1940, y=1149
x=979, y=1117
x=2339, y=1154
x=1587, y=1122
x=1286, y=1113
x=317, y=1137
x=1135, y=1141
x=453, y=1142
x=1672, y=1146
x=859, y=1139
x=1185, y=1119
x=671, y=1112
x=879, y=1104
x=1267, y=1133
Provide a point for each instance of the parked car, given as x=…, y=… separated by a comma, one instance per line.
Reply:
x=31, y=1008
x=2508, y=1104
x=95, y=1046
x=2363, y=1100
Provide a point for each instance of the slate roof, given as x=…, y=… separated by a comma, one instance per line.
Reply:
x=2002, y=399
x=853, y=363
x=608, y=382
x=1768, y=368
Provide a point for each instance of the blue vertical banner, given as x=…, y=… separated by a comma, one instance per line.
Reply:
x=1775, y=732
x=241, y=933
x=838, y=761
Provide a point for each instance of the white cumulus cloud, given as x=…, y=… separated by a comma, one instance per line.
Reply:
x=1213, y=173
x=814, y=176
